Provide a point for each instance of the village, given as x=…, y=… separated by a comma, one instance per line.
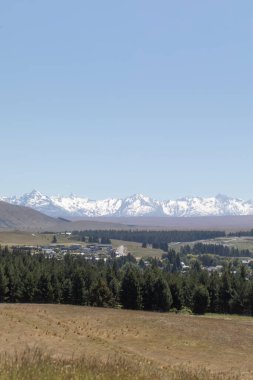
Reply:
x=93, y=251
x=56, y=246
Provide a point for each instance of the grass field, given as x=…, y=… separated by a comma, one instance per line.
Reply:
x=136, y=249
x=30, y=238
x=236, y=242
x=94, y=343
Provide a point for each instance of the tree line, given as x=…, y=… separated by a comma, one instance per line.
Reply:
x=154, y=238
x=123, y=283
x=241, y=234
x=215, y=249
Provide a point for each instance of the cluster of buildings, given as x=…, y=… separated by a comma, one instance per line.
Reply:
x=93, y=251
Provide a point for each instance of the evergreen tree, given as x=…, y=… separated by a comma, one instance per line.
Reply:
x=78, y=289
x=44, y=289
x=3, y=285
x=213, y=290
x=56, y=286
x=29, y=288
x=67, y=297
x=177, y=294
x=250, y=298
x=130, y=295
x=148, y=291
x=239, y=295
x=163, y=298
x=15, y=286
x=101, y=295
x=225, y=292
x=114, y=286
x=200, y=300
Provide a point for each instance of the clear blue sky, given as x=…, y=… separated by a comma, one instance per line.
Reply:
x=110, y=98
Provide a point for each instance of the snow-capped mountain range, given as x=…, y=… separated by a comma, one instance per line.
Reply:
x=135, y=205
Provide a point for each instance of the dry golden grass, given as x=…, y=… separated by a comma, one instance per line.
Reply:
x=33, y=364
x=148, y=343
x=29, y=238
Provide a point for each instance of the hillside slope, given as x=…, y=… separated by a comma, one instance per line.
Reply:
x=24, y=218
x=13, y=217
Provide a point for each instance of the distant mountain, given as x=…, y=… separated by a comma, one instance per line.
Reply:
x=137, y=205
x=14, y=217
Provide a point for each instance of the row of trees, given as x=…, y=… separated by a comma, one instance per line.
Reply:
x=215, y=249
x=122, y=283
x=241, y=233
x=156, y=238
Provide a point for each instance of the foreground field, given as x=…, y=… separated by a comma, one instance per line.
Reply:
x=123, y=344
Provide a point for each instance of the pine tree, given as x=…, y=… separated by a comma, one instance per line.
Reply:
x=213, y=290
x=29, y=289
x=148, y=291
x=15, y=286
x=101, y=295
x=57, y=291
x=3, y=285
x=225, y=292
x=78, y=289
x=163, y=298
x=131, y=289
x=44, y=289
x=67, y=297
x=200, y=300
x=177, y=294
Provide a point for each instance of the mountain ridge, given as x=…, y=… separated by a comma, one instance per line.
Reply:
x=136, y=205
x=21, y=218
x=14, y=217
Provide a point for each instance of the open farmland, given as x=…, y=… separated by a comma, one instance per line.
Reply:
x=164, y=346
x=136, y=249
x=29, y=238
x=240, y=243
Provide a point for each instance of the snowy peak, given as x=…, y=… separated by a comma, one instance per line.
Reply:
x=211, y=206
x=134, y=205
x=34, y=198
x=140, y=205
x=77, y=206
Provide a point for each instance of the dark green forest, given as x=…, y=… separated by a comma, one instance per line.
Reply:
x=155, y=238
x=123, y=283
x=215, y=249
x=241, y=233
